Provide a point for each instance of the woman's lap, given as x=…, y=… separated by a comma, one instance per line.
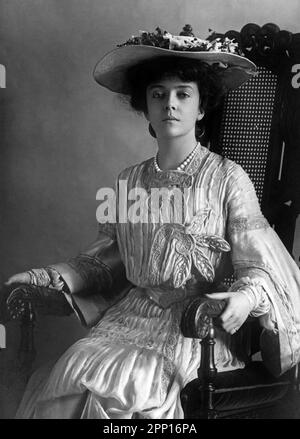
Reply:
x=118, y=371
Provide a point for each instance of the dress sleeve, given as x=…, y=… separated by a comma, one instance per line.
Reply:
x=96, y=278
x=265, y=271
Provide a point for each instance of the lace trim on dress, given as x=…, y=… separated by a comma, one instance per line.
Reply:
x=166, y=179
x=243, y=223
x=169, y=178
x=169, y=347
x=93, y=271
x=46, y=277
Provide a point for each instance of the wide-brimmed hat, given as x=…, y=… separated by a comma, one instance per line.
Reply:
x=111, y=70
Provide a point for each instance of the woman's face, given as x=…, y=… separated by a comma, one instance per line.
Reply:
x=173, y=107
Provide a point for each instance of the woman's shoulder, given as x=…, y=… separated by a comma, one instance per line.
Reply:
x=231, y=173
x=135, y=169
x=225, y=165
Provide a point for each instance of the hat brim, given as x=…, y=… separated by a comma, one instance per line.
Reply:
x=110, y=71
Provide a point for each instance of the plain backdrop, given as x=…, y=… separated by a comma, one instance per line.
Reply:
x=63, y=136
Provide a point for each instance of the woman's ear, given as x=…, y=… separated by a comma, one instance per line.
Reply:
x=201, y=114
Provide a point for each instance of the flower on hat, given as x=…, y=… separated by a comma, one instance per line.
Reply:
x=186, y=41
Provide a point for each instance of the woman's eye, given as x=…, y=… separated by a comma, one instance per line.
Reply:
x=157, y=94
x=183, y=94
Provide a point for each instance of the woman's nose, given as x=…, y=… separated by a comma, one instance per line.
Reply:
x=171, y=102
x=170, y=106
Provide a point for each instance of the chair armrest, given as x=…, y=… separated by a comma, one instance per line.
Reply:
x=198, y=316
x=42, y=300
x=36, y=300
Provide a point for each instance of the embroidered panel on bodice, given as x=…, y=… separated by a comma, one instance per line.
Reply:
x=183, y=242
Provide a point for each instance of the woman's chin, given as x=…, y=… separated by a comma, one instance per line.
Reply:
x=169, y=133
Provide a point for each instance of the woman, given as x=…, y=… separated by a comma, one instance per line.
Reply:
x=135, y=361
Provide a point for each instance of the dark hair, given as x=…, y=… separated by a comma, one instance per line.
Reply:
x=208, y=78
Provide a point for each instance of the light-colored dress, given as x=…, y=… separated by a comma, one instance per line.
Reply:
x=134, y=362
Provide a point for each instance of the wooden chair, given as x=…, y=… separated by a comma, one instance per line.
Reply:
x=251, y=392
x=258, y=128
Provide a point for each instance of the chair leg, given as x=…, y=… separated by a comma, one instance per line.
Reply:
x=27, y=352
x=207, y=373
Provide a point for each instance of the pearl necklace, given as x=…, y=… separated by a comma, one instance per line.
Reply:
x=182, y=165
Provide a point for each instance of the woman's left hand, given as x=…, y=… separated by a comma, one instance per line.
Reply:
x=236, y=312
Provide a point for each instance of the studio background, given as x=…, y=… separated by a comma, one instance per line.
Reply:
x=63, y=136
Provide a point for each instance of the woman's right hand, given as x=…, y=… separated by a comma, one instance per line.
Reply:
x=19, y=278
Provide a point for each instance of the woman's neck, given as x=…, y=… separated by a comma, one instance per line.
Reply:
x=173, y=151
